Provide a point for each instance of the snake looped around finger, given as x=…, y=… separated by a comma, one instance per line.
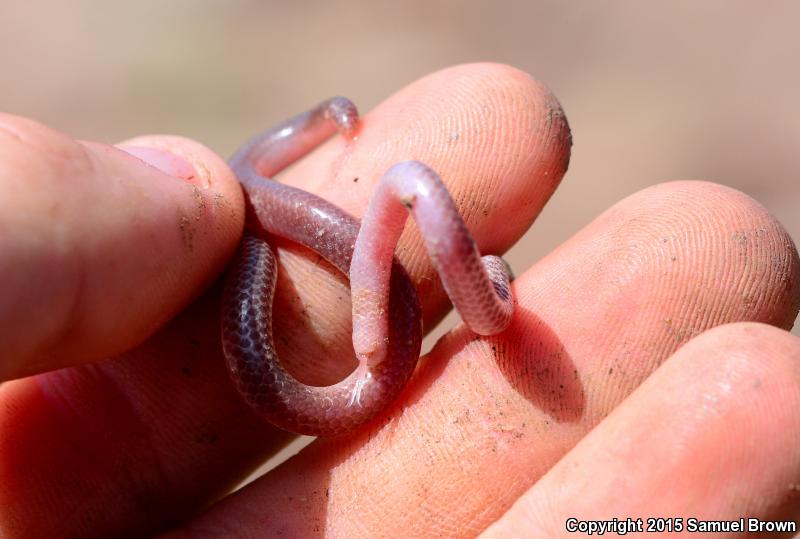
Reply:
x=387, y=327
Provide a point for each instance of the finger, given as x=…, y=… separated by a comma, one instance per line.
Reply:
x=98, y=249
x=485, y=418
x=177, y=435
x=713, y=435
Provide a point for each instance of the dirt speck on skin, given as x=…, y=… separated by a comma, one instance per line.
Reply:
x=199, y=203
x=187, y=232
x=220, y=202
x=749, y=303
x=462, y=418
x=740, y=237
x=513, y=430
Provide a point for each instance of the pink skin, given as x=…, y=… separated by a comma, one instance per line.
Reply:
x=387, y=328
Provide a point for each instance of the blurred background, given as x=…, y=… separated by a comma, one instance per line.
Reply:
x=684, y=90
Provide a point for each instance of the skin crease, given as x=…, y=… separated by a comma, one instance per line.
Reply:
x=143, y=442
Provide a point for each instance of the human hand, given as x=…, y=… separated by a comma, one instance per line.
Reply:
x=142, y=442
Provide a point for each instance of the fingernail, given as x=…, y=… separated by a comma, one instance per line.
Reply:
x=166, y=162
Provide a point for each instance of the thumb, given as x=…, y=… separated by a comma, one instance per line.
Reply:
x=100, y=246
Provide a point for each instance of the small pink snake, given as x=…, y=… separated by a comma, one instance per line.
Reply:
x=387, y=327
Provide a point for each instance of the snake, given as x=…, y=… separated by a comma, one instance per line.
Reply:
x=386, y=312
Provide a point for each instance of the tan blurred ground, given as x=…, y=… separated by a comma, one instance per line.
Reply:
x=683, y=90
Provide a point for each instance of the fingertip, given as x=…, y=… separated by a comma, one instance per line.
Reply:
x=723, y=406
x=761, y=350
x=217, y=200
x=130, y=245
